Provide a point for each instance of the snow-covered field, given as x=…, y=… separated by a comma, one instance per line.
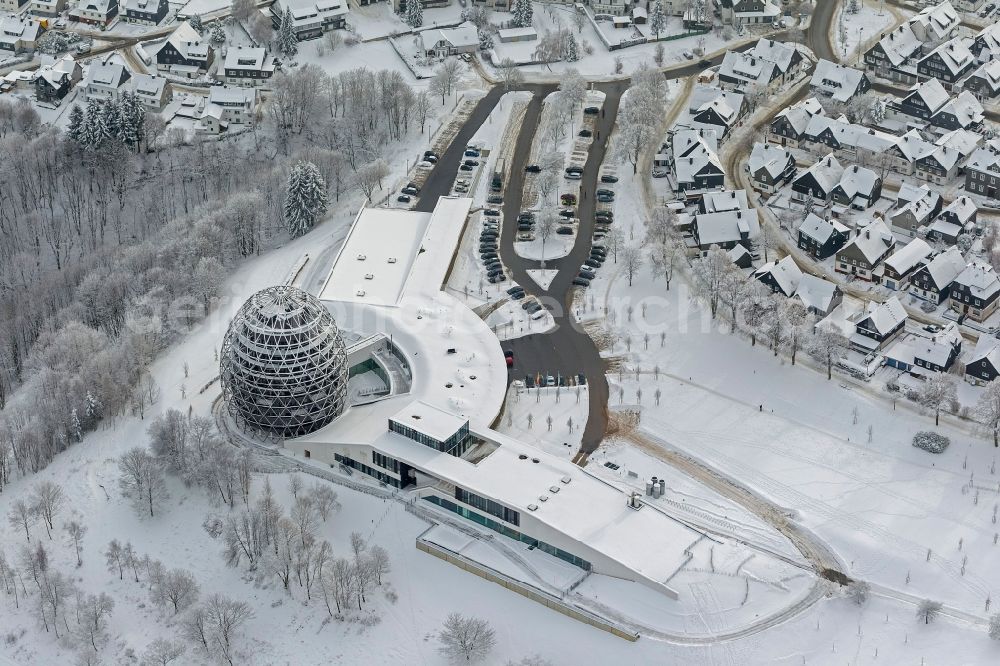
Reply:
x=852, y=30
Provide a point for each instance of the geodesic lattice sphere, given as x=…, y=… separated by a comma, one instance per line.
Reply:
x=284, y=365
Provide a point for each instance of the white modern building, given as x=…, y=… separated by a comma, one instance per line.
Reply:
x=429, y=432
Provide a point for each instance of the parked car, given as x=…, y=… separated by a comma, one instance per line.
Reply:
x=491, y=212
x=497, y=278
x=525, y=226
x=471, y=163
x=525, y=236
x=533, y=168
x=465, y=167
x=604, y=198
x=581, y=282
x=487, y=256
x=432, y=159
x=660, y=173
x=471, y=152
x=525, y=216
x=538, y=315
x=688, y=55
x=404, y=198
x=593, y=263
x=550, y=381
x=516, y=288
x=607, y=214
x=412, y=190
x=529, y=303
x=609, y=178
x=591, y=111
x=567, y=213
x=587, y=275
x=565, y=231
x=568, y=199
x=573, y=175
x=508, y=357
x=494, y=199
x=606, y=192
x=585, y=133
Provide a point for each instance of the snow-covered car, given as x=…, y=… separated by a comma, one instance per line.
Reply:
x=660, y=173
x=688, y=55
x=425, y=164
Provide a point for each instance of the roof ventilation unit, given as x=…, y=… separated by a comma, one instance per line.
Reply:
x=532, y=507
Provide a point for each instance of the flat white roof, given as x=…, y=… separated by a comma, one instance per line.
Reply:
x=429, y=420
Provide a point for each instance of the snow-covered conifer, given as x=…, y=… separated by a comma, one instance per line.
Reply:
x=75, y=130
x=414, y=13
x=305, y=198
x=287, y=42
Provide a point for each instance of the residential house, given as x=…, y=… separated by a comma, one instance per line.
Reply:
x=957, y=218
x=781, y=275
x=819, y=180
x=866, y=251
x=896, y=270
x=935, y=23
x=918, y=353
x=914, y=207
x=726, y=229
x=12, y=6
x=907, y=151
x=984, y=82
x=745, y=72
x=740, y=12
x=839, y=82
x=106, y=81
x=19, y=35
x=949, y=62
x=983, y=366
x=770, y=166
x=949, y=154
x=878, y=324
x=95, y=12
x=55, y=79
x=975, y=291
x=248, y=66
x=854, y=142
x=789, y=125
x=922, y=100
x=986, y=45
x=718, y=202
x=228, y=106
x=982, y=171
x=741, y=257
x=859, y=188
x=150, y=91
x=890, y=54
x=145, y=12
x=49, y=8
x=712, y=108
x=311, y=18
x=185, y=53
x=822, y=238
x=932, y=281
x=443, y=42
x=817, y=295
x=695, y=160
x=785, y=55
x=963, y=111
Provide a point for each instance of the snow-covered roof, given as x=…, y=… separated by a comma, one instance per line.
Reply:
x=727, y=227
x=988, y=349
x=189, y=43
x=460, y=36
x=909, y=256
x=962, y=209
x=827, y=172
x=747, y=68
x=945, y=267
x=872, y=241
x=884, y=316
x=785, y=273
x=984, y=159
x=935, y=21
x=965, y=107
x=693, y=150
x=97, y=6
x=918, y=200
x=913, y=147
x=311, y=11
x=899, y=45
x=147, y=86
x=820, y=230
x=858, y=180
x=717, y=202
x=836, y=80
x=849, y=135
x=232, y=96
x=800, y=114
x=430, y=420
x=816, y=293
x=145, y=6
x=961, y=140
x=931, y=92
x=54, y=73
x=770, y=157
x=247, y=58
x=14, y=29
x=989, y=71
x=106, y=75
x=780, y=53
x=980, y=278
x=955, y=55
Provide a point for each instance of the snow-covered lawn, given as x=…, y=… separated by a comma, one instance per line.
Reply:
x=543, y=276
x=852, y=30
x=555, y=247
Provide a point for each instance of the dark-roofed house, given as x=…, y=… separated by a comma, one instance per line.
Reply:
x=892, y=51
x=984, y=364
x=185, y=53
x=743, y=71
x=726, y=229
x=932, y=281
x=822, y=238
x=819, y=296
x=782, y=276
x=880, y=323
x=922, y=100
x=740, y=12
x=957, y=218
x=785, y=56
x=839, y=82
x=789, y=125
x=859, y=188
x=819, y=180
x=145, y=12
x=982, y=172
x=770, y=166
x=915, y=207
x=963, y=111
x=865, y=251
x=949, y=62
x=896, y=270
x=54, y=81
x=975, y=291
x=984, y=82
x=695, y=161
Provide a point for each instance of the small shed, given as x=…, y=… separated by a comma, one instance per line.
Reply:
x=621, y=21
x=508, y=35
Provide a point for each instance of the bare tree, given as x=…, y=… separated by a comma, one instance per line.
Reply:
x=224, y=618
x=827, y=347
x=179, y=589
x=466, y=639
x=379, y=558
x=510, y=75
x=47, y=499
x=325, y=500
x=74, y=533
x=141, y=479
x=927, y=610
x=987, y=410
x=632, y=262
x=22, y=516
x=937, y=392
x=163, y=652
x=798, y=325
x=114, y=557
x=710, y=271
x=859, y=591
x=94, y=616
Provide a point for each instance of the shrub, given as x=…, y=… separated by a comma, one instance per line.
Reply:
x=931, y=442
x=927, y=306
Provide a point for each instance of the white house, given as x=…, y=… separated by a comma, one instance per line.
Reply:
x=150, y=90
x=106, y=81
x=450, y=41
x=228, y=106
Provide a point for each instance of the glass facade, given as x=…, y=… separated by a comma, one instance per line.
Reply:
x=455, y=445
x=385, y=462
x=488, y=505
x=509, y=532
x=365, y=469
